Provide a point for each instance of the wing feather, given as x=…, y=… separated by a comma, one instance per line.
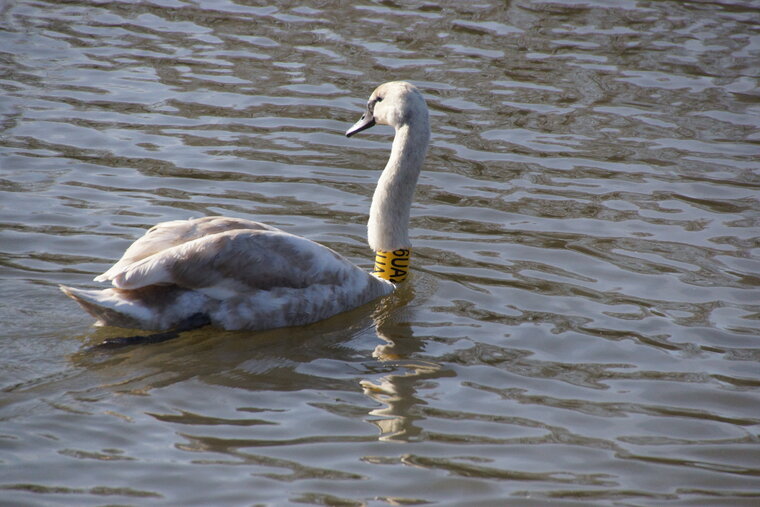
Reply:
x=239, y=261
x=167, y=235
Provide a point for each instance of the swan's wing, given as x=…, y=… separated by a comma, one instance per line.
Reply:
x=239, y=261
x=167, y=235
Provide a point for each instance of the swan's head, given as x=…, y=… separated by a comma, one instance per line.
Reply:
x=396, y=103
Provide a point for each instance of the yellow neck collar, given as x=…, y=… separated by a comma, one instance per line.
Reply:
x=392, y=266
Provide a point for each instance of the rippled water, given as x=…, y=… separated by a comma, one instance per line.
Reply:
x=582, y=324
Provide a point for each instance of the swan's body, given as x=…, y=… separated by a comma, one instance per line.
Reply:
x=240, y=274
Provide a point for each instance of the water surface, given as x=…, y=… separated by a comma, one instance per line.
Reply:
x=582, y=323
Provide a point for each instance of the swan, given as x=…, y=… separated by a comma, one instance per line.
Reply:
x=240, y=274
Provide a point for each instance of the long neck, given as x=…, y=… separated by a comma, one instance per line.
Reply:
x=388, y=227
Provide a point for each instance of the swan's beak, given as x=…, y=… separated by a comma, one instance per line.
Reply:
x=367, y=120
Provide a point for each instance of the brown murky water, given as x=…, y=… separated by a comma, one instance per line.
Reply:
x=582, y=324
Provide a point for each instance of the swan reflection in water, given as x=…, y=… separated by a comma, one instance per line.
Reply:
x=398, y=391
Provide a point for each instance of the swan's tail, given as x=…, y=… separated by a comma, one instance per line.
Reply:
x=155, y=308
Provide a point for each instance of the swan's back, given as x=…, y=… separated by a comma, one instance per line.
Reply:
x=168, y=234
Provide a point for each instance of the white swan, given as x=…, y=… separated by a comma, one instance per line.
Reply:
x=239, y=274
